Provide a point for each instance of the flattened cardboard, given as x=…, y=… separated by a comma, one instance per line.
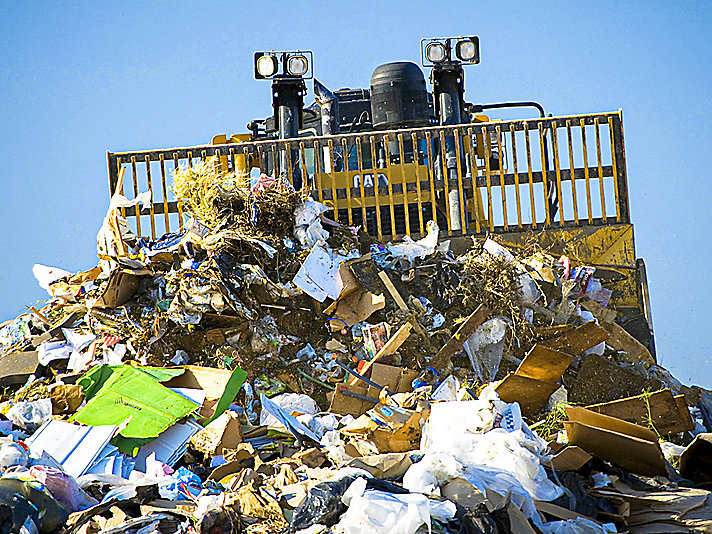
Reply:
x=119, y=289
x=17, y=367
x=396, y=379
x=211, y=381
x=545, y=364
x=532, y=395
x=389, y=465
x=661, y=407
x=579, y=339
x=343, y=404
x=570, y=458
x=354, y=304
x=633, y=447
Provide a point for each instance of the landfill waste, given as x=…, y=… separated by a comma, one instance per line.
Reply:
x=265, y=370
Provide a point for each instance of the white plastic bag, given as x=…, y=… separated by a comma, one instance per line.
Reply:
x=30, y=415
x=485, y=346
x=375, y=512
x=293, y=403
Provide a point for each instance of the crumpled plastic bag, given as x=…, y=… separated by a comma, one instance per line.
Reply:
x=485, y=346
x=293, y=403
x=30, y=415
x=410, y=250
x=46, y=275
x=486, y=442
x=12, y=453
x=374, y=511
x=308, y=230
x=63, y=488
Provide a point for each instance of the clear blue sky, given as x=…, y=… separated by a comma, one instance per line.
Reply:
x=78, y=78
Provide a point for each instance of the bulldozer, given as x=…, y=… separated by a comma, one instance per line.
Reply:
x=398, y=154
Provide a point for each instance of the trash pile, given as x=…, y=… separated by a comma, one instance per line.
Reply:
x=266, y=369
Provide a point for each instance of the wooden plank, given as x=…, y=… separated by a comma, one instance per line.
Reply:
x=392, y=290
x=455, y=343
x=545, y=364
x=579, y=339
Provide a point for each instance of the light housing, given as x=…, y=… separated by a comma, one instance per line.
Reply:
x=435, y=52
x=266, y=65
x=450, y=51
x=468, y=50
x=295, y=64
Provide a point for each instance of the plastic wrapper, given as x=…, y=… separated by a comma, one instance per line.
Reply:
x=30, y=415
x=485, y=346
x=12, y=453
x=308, y=230
x=293, y=403
x=373, y=511
x=63, y=488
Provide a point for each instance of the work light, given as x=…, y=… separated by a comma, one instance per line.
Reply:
x=266, y=65
x=297, y=65
x=468, y=50
x=435, y=52
x=274, y=64
x=450, y=51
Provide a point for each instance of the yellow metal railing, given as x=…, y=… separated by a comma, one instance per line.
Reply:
x=505, y=176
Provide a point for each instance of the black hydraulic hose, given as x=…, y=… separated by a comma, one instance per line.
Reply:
x=499, y=105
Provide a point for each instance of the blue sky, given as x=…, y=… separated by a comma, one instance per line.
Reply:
x=80, y=78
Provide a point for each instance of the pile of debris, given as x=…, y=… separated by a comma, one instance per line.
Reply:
x=266, y=369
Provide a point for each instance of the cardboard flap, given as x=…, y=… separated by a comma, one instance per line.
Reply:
x=587, y=417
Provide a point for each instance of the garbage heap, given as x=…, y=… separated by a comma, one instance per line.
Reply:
x=266, y=369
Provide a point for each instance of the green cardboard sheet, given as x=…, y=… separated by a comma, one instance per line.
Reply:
x=132, y=399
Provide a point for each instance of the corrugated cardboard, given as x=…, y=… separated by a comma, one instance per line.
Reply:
x=661, y=407
x=532, y=395
x=633, y=447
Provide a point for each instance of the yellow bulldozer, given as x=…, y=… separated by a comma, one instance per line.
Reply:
x=397, y=155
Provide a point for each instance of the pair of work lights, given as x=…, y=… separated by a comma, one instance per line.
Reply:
x=443, y=51
x=283, y=64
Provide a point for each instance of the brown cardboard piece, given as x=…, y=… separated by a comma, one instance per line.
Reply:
x=222, y=433
x=211, y=381
x=633, y=447
x=545, y=364
x=17, y=367
x=121, y=286
x=579, y=339
x=405, y=437
x=242, y=459
x=661, y=407
x=532, y=395
x=396, y=379
x=455, y=343
x=354, y=304
x=570, y=458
